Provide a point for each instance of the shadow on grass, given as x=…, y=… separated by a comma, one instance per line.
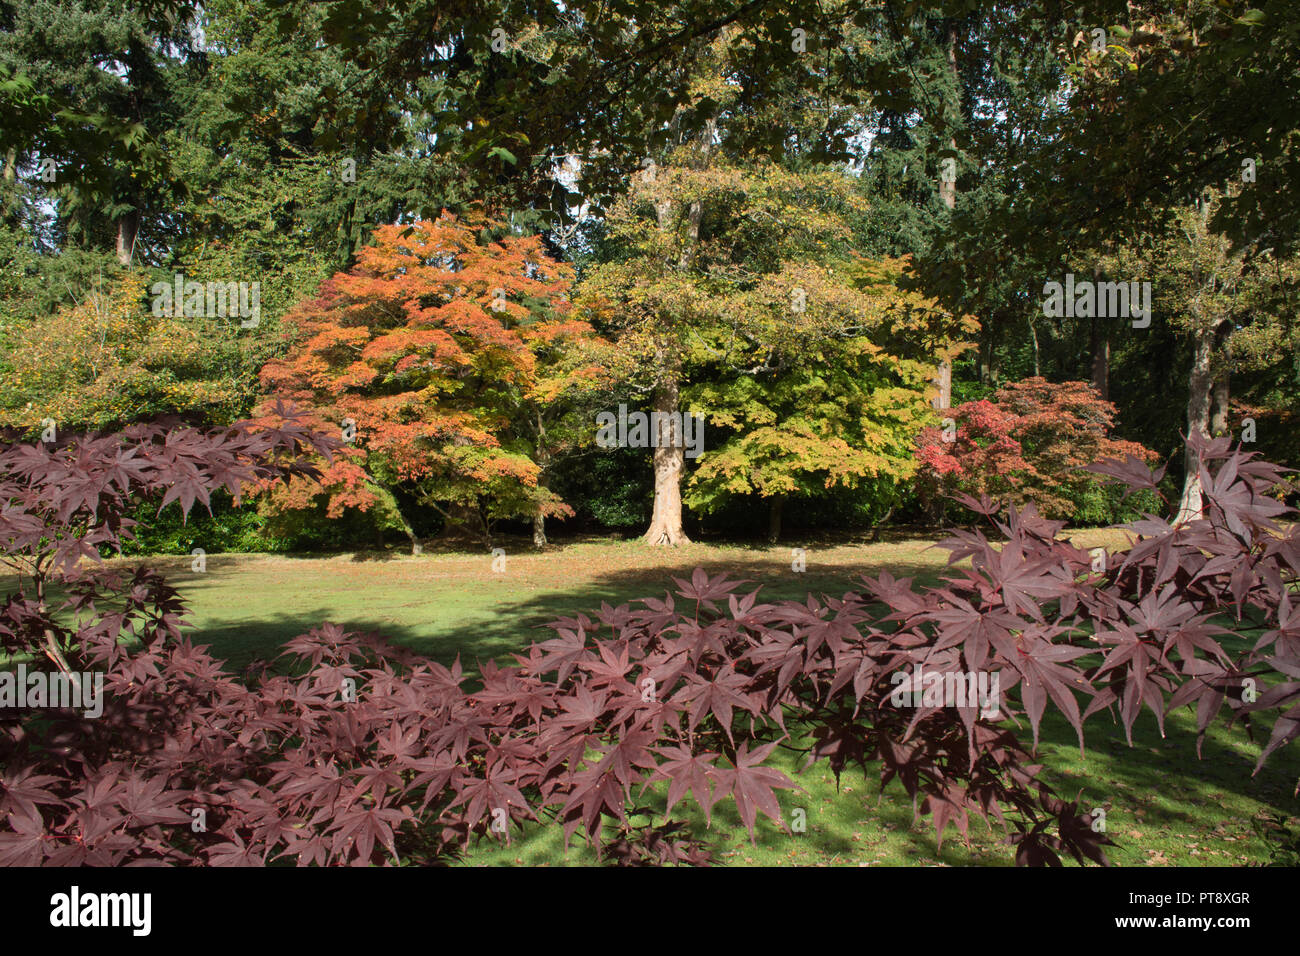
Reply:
x=497, y=626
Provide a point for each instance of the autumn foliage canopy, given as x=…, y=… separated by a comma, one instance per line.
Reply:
x=1031, y=442
x=431, y=355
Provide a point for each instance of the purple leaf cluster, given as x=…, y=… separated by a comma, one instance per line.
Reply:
x=348, y=751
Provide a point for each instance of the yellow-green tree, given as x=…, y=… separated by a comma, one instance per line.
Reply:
x=110, y=360
x=840, y=391
x=734, y=293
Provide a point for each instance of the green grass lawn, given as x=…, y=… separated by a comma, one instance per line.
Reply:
x=1164, y=806
x=448, y=604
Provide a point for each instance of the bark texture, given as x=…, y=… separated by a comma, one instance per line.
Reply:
x=127, y=228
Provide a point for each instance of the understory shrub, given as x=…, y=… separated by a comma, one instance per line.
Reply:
x=228, y=529
x=1032, y=442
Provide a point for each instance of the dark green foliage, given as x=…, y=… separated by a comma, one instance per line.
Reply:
x=226, y=529
x=612, y=489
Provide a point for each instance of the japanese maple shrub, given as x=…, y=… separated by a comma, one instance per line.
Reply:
x=445, y=357
x=1032, y=442
x=353, y=752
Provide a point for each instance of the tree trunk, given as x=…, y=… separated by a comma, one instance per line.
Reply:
x=417, y=546
x=11, y=205
x=943, y=401
x=1222, y=376
x=1033, y=336
x=948, y=193
x=1200, y=382
x=52, y=649
x=1219, y=407
x=1101, y=362
x=948, y=188
x=669, y=456
x=774, y=519
x=1099, y=346
x=127, y=227
x=879, y=526
x=543, y=463
x=669, y=453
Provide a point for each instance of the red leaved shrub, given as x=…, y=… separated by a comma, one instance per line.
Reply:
x=353, y=752
x=1031, y=443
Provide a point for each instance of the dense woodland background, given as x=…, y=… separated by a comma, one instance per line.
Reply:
x=363, y=276
x=825, y=228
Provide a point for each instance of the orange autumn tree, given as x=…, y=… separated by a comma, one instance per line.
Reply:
x=438, y=357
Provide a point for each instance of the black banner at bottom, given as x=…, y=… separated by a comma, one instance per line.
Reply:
x=140, y=906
